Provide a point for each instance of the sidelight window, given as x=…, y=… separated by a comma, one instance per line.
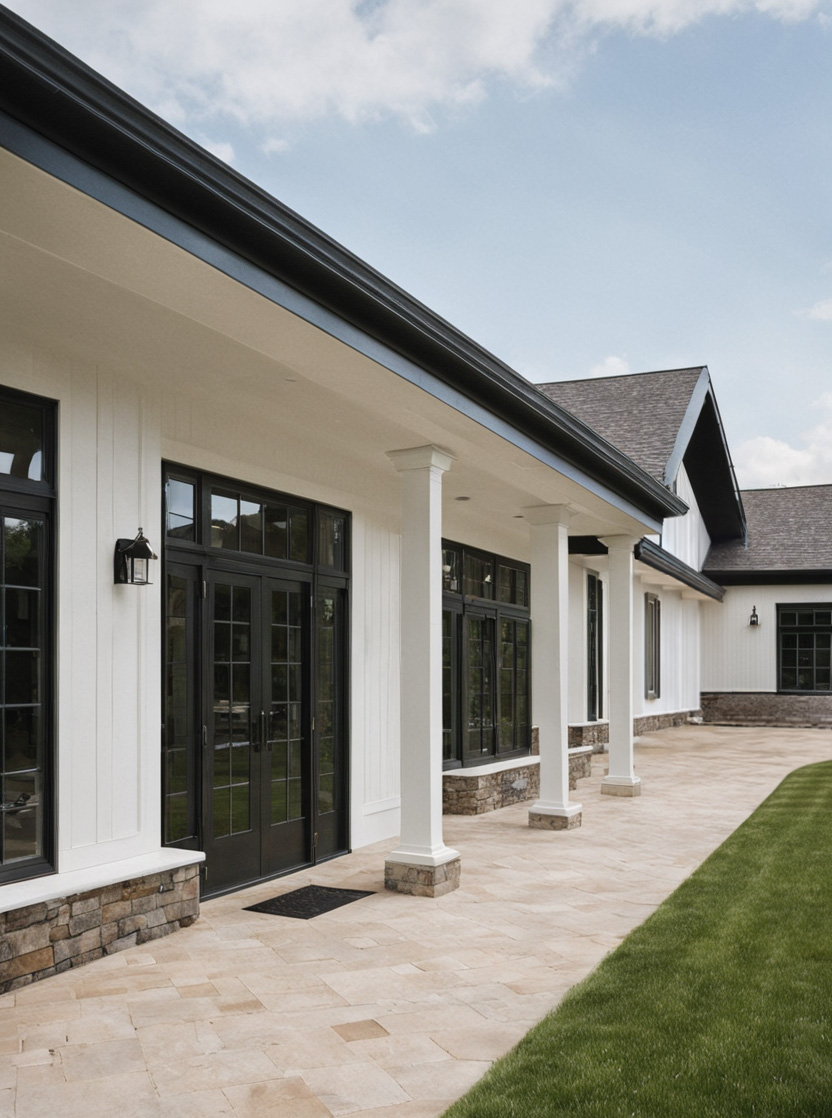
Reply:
x=27, y=499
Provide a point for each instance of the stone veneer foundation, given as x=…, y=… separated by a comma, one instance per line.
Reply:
x=597, y=734
x=475, y=791
x=761, y=708
x=422, y=881
x=51, y=936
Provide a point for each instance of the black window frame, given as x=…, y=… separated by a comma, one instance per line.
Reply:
x=22, y=496
x=797, y=629
x=458, y=609
x=652, y=646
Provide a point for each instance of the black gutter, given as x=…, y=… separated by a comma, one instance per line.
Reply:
x=656, y=557
x=57, y=96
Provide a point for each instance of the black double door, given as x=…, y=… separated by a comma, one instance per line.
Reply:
x=268, y=662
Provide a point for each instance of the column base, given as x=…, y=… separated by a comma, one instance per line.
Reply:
x=422, y=880
x=545, y=818
x=621, y=786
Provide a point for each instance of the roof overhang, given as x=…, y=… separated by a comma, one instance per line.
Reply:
x=820, y=576
x=72, y=123
x=702, y=447
x=660, y=560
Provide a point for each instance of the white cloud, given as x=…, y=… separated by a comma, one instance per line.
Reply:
x=220, y=148
x=265, y=63
x=821, y=312
x=610, y=367
x=763, y=461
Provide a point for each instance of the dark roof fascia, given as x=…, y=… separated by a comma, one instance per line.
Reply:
x=821, y=576
x=656, y=557
x=702, y=446
x=56, y=96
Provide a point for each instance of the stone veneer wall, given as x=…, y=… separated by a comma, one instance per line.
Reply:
x=755, y=708
x=597, y=734
x=467, y=792
x=52, y=936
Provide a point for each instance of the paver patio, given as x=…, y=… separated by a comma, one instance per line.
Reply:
x=392, y=1005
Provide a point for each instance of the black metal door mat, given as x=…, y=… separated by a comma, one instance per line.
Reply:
x=309, y=901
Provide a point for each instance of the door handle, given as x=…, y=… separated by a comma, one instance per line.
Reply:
x=257, y=733
x=265, y=732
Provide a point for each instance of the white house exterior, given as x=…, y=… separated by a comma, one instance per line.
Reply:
x=381, y=555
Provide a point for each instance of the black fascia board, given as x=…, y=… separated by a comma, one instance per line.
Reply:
x=702, y=446
x=656, y=557
x=57, y=96
x=822, y=576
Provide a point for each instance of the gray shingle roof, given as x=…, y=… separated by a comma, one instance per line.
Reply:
x=640, y=413
x=789, y=529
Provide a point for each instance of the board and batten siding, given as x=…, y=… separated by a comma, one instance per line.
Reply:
x=375, y=708
x=108, y=671
x=737, y=656
x=686, y=536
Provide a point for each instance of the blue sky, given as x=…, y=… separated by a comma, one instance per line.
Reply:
x=583, y=186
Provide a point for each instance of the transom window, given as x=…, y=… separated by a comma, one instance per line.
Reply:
x=804, y=647
x=485, y=656
x=27, y=498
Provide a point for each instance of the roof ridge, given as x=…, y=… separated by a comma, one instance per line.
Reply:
x=622, y=376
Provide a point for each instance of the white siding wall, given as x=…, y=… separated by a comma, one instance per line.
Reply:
x=686, y=536
x=108, y=663
x=737, y=656
x=375, y=726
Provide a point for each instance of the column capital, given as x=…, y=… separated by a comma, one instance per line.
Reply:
x=548, y=514
x=421, y=458
x=620, y=543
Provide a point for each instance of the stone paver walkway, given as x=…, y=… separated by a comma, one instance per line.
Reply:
x=392, y=1005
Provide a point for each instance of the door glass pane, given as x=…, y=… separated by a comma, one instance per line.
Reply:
x=178, y=709
x=299, y=535
x=21, y=685
x=285, y=723
x=21, y=441
x=232, y=716
x=331, y=541
x=276, y=531
x=480, y=686
x=179, y=507
x=251, y=527
x=224, y=526
x=326, y=710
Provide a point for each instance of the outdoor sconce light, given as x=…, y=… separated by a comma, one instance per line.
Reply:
x=131, y=563
x=754, y=619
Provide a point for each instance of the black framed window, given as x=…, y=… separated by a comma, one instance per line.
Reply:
x=652, y=646
x=486, y=671
x=804, y=646
x=27, y=510
x=594, y=647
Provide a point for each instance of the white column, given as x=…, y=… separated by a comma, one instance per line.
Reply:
x=621, y=779
x=550, y=659
x=421, y=863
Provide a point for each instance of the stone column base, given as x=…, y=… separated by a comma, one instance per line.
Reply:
x=543, y=821
x=621, y=786
x=422, y=881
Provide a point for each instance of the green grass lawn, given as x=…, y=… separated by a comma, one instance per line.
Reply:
x=720, y=1004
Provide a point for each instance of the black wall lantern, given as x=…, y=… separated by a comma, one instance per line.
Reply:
x=131, y=563
x=754, y=618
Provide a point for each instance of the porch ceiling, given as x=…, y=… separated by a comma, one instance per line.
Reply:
x=80, y=281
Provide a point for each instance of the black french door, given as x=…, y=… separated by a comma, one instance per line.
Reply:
x=255, y=741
